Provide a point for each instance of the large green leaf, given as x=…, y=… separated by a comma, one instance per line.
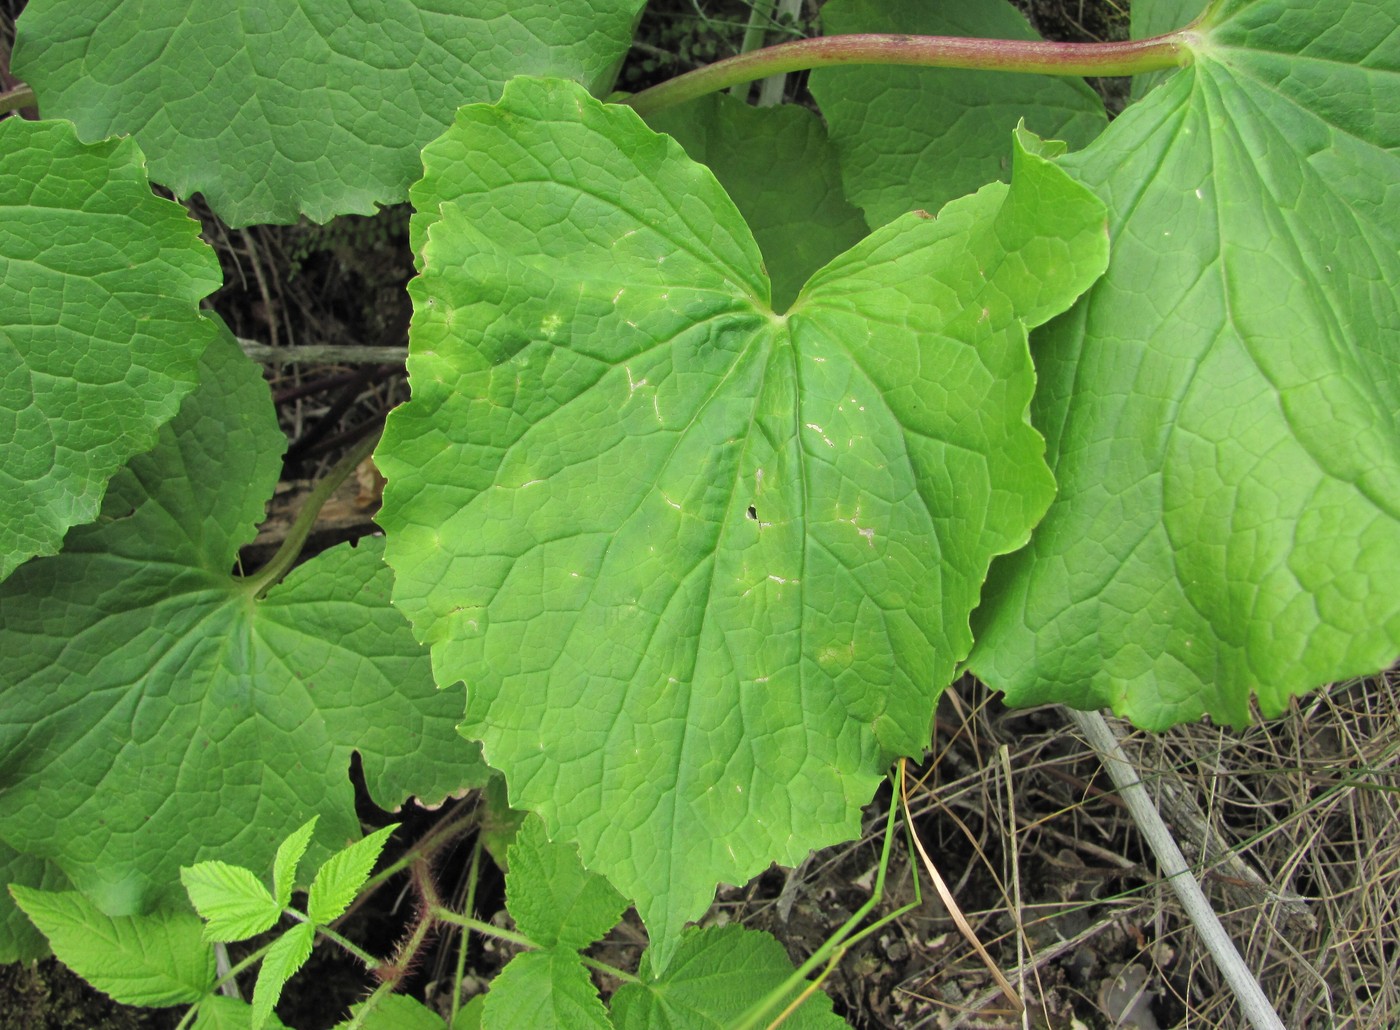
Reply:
x=100, y=331
x=153, y=713
x=779, y=168
x=918, y=137
x=1222, y=407
x=281, y=108
x=704, y=568
x=718, y=973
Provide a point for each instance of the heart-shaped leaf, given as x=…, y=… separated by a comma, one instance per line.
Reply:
x=153, y=712
x=704, y=568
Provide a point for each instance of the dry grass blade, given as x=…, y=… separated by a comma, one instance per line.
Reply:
x=964, y=927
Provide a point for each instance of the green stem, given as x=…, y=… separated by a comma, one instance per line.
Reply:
x=469, y=907
x=369, y=1005
x=271, y=574
x=369, y=961
x=248, y=962
x=1134, y=57
x=837, y=944
x=435, y=838
x=446, y=915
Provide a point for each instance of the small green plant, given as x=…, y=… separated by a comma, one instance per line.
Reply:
x=720, y=975
x=736, y=433
x=168, y=959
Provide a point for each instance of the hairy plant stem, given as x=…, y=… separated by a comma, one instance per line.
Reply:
x=281, y=563
x=1134, y=57
x=440, y=835
x=369, y=1005
x=446, y=915
x=366, y=959
x=225, y=977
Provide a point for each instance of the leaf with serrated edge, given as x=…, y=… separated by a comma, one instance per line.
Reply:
x=1220, y=408
x=154, y=714
x=779, y=168
x=100, y=330
x=683, y=592
x=157, y=959
x=343, y=874
x=284, y=957
x=220, y=1012
x=288, y=857
x=718, y=973
x=544, y=990
x=469, y=1015
x=918, y=137
x=233, y=902
x=551, y=897
x=394, y=1012
x=345, y=97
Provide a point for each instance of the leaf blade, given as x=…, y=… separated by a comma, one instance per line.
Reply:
x=288, y=857
x=320, y=140
x=552, y=898
x=343, y=874
x=100, y=329
x=222, y=722
x=612, y=554
x=1227, y=455
x=547, y=989
x=286, y=955
x=233, y=902
x=157, y=959
x=717, y=975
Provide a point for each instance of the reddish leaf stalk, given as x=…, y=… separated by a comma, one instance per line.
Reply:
x=1133, y=57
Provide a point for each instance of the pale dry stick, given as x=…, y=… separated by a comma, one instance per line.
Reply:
x=760, y=14
x=222, y=966
x=1250, y=996
x=323, y=354
x=1004, y=753
x=959, y=920
x=771, y=89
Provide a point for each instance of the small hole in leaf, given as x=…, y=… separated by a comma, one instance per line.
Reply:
x=753, y=513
